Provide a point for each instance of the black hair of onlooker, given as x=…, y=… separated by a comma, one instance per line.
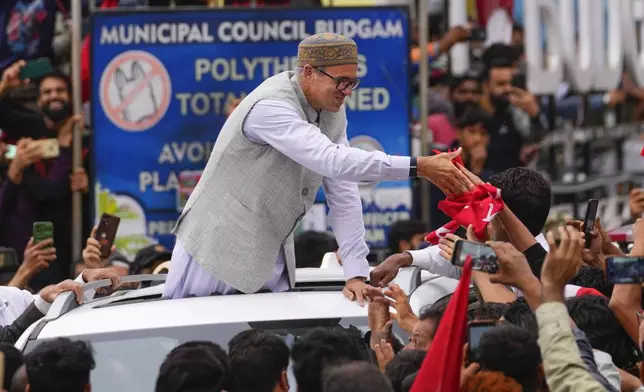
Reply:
x=322, y=348
x=311, y=246
x=593, y=278
x=355, y=377
x=457, y=80
x=258, y=360
x=405, y=363
x=604, y=332
x=60, y=365
x=13, y=359
x=514, y=351
x=56, y=75
x=473, y=114
x=499, y=55
x=194, y=367
x=527, y=193
x=490, y=311
x=516, y=27
x=408, y=382
x=403, y=230
x=520, y=314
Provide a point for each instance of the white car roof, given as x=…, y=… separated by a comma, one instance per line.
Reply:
x=92, y=318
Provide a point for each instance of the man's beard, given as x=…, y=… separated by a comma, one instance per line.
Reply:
x=58, y=114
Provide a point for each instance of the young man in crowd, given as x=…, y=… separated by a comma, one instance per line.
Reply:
x=39, y=189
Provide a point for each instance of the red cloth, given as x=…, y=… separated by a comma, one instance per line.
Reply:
x=588, y=291
x=441, y=369
x=642, y=153
x=476, y=208
x=485, y=8
x=86, y=76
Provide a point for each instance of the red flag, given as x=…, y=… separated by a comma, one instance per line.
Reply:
x=441, y=369
x=476, y=208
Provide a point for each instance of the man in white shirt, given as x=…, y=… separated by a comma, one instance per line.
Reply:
x=24, y=308
x=281, y=143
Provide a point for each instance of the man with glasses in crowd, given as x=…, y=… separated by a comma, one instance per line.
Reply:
x=281, y=143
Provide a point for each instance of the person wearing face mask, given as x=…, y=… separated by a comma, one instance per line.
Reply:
x=507, y=146
x=44, y=186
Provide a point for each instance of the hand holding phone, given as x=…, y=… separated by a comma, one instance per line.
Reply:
x=49, y=148
x=483, y=256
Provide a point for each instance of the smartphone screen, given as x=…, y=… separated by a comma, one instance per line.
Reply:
x=589, y=221
x=11, y=152
x=106, y=233
x=42, y=231
x=483, y=257
x=475, y=332
x=624, y=269
x=36, y=69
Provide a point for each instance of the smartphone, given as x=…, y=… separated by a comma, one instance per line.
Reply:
x=519, y=81
x=589, y=221
x=624, y=269
x=50, y=147
x=475, y=330
x=478, y=34
x=11, y=152
x=36, y=69
x=42, y=231
x=483, y=257
x=106, y=233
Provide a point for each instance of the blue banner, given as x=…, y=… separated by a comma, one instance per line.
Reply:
x=162, y=81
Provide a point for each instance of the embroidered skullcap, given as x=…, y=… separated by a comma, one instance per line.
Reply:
x=327, y=50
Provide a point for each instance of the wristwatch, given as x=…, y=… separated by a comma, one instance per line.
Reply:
x=413, y=167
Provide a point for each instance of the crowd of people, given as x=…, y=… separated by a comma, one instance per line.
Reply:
x=556, y=321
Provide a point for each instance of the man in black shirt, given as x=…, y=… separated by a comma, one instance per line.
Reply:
x=507, y=145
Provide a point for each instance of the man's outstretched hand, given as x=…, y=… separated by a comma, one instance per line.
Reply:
x=356, y=289
x=441, y=171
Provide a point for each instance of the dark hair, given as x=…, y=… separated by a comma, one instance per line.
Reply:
x=319, y=349
x=499, y=55
x=403, y=231
x=311, y=246
x=60, y=365
x=13, y=359
x=404, y=363
x=56, y=75
x=473, y=114
x=408, y=382
x=194, y=366
x=489, y=311
x=514, y=351
x=604, y=332
x=355, y=377
x=520, y=314
x=457, y=80
x=527, y=194
x=257, y=359
x=593, y=278
x=429, y=313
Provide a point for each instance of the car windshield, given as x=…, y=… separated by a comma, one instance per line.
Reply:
x=129, y=361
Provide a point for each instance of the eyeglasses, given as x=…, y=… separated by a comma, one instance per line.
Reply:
x=342, y=83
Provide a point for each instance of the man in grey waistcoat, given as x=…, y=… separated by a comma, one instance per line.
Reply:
x=284, y=140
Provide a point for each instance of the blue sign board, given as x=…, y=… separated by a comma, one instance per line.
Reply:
x=162, y=80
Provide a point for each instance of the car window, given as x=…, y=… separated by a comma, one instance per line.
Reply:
x=130, y=361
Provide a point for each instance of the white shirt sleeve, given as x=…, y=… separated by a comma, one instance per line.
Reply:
x=278, y=124
x=345, y=212
x=88, y=295
x=429, y=259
